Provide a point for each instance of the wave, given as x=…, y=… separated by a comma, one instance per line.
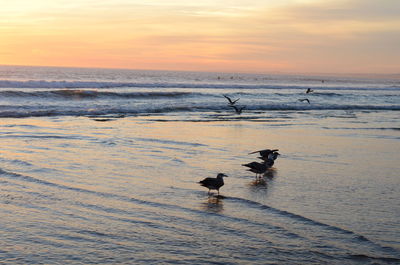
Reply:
x=387, y=253
x=251, y=113
x=92, y=94
x=101, y=84
x=302, y=219
x=365, y=128
x=372, y=259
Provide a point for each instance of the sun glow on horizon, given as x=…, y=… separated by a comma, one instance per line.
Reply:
x=242, y=35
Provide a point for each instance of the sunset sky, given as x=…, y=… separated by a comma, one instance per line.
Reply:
x=308, y=36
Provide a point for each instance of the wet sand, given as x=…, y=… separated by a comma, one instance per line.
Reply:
x=131, y=184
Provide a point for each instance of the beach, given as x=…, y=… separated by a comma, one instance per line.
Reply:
x=104, y=168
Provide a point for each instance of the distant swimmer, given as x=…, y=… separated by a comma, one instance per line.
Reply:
x=231, y=102
x=238, y=110
x=304, y=99
x=309, y=90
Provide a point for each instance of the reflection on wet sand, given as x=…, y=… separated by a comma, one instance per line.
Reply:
x=214, y=204
x=261, y=184
x=271, y=173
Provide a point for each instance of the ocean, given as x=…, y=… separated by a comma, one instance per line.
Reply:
x=101, y=166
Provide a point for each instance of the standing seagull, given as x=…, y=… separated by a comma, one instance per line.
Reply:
x=259, y=168
x=238, y=110
x=269, y=156
x=231, y=102
x=213, y=183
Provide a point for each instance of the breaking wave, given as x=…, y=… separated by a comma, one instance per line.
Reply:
x=92, y=94
x=22, y=112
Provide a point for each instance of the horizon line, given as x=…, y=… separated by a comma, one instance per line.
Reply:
x=396, y=75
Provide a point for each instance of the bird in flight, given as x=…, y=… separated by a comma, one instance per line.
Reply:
x=304, y=99
x=231, y=102
x=238, y=110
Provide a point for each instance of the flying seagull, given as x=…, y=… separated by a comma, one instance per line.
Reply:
x=238, y=110
x=309, y=90
x=231, y=102
x=304, y=99
x=213, y=183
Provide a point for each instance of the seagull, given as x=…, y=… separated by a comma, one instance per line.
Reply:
x=272, y=156
x=213, y=183
x=238, y=110
x=304, y=99
x=269, y=156
x=265, y=152
x=231, y=102
x=309, y=90
x=259, y=168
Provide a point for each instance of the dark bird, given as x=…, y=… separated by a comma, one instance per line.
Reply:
x=304, y=99
x=213, y=183
x=259, y=168
x=309, y=90
x=265, y=152
x=269, y=156
x=238, y=110
x=272, y=156
x=231, y=102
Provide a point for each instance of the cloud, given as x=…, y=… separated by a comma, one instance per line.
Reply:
x=270, y=34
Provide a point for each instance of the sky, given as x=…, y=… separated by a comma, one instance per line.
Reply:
x=260, y=36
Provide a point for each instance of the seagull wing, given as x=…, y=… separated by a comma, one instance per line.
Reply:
x=235, y=101
x=229, y=99
x=207, y=181
x=264, y=151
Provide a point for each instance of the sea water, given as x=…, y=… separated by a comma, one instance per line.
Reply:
x=101, y=166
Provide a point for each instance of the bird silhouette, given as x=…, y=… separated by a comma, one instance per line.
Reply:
x=304, y=99
x=238, y=110
x=272, y=156
x=269, y=156
x=309, y=90
x=213, y=183
x=231, y=102
x=265, y=152
x=259, y=168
